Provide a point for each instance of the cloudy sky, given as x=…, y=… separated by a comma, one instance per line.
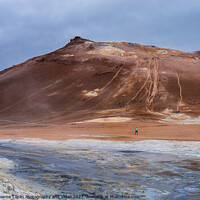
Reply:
x=33, y=27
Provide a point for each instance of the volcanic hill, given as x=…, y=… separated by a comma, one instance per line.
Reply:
x=86, y=80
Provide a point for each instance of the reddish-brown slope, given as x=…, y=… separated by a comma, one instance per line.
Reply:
x=86, y=79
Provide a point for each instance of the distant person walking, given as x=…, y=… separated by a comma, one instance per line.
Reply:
x=136, y=131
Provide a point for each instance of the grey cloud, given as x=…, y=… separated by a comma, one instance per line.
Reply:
x=29, y=28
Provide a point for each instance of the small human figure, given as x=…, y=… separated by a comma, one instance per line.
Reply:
x=136, y=131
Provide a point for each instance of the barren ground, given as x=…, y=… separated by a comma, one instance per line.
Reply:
x=115, y=131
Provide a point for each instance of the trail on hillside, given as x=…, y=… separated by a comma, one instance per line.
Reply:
x=154, y=84
x=125, y=82
x=179, y=85
x=114, y=77
x=147, y=78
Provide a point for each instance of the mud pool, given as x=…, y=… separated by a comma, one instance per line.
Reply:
x=136, y=170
